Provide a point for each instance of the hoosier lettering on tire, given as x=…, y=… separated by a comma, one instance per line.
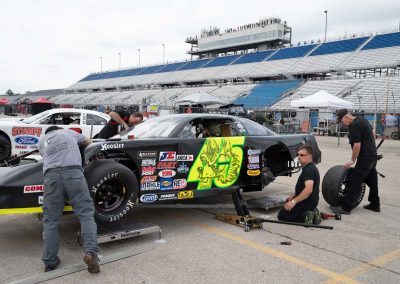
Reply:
x=114, y=189
x=334, y=184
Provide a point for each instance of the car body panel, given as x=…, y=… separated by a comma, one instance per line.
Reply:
x=24, y=135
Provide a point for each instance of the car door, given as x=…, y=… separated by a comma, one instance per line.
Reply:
x=92, y=124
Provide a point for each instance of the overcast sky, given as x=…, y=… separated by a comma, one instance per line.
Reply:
x=49, y=44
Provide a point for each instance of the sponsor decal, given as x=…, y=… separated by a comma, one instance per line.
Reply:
x=167, y=156
x=254, y=159
x=33, y=188
x=253, y=173
x=168, y=196
x=184, y=158
x=179, y=183
x=21, y=147
x=146, y=155
x=148, y=171
x=218, y=163
x=253, y=166
x=155, y=185
x=166, y=165
x=167, y=173
x=26, y=140
x=32, y=131
x=253, y=152
x=182, y=168
x=185, y=194
x=166, y=183
x=105, y=147
x=148, y=198
x=148, y=179
x=40, y=200
x=294, y=163
x=33, y=147
x=148, y=162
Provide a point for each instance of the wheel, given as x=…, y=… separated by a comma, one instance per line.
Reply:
x=5, y=148
x=322, y=132
x=334, y=183
x=395, y=135
x=114, y=189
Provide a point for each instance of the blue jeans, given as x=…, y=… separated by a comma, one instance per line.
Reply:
x=59, y=184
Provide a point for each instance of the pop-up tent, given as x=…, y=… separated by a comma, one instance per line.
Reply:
x=202, y=98
x=322, y=99
x=4, y=101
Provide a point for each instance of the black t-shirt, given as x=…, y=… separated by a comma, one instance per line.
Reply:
x=360, y=131
x=111, y=128
x=309, y=172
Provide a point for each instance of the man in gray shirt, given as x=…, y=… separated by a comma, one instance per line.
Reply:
x=63, y=178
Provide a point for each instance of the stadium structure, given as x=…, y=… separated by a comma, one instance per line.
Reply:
x=257, y=65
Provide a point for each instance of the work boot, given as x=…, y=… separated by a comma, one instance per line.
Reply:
x=372, y=207
x=92, y=262
x=309, y=217
x=317, y=217
x=339, y=209
x=48, y=268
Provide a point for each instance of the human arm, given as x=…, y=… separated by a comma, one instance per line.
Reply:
x=304, y=194
x=354, y=155
x=117, y=118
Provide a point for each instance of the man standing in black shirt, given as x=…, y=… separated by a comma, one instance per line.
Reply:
x=121, y=117
x=302, y=206
x=363, y=146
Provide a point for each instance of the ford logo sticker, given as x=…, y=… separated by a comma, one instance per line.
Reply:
x=26, y=140
x=148, y=198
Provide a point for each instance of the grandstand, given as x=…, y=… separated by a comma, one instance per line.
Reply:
x=266, y=74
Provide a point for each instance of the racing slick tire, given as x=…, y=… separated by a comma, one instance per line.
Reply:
x=5, y=148
x=114, y=190
x=334, y=183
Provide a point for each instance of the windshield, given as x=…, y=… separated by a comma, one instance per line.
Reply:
x=151, y=128
x=36, y=117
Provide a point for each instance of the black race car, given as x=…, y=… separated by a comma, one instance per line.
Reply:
x=168, y=159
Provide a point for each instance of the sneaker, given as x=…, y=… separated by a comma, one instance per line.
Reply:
x=372, y=207
x=309, y=217
x=92, y=262
x=317, y=217
x=339, y=209
x=52, y=267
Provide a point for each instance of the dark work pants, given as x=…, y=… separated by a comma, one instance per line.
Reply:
x=364, y=172
x=297, y=214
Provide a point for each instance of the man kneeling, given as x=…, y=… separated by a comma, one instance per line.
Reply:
x=302, y=206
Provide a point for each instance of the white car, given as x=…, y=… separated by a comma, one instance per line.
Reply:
x=19, y=136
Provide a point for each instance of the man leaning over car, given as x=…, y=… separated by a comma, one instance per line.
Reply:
x=63, y=178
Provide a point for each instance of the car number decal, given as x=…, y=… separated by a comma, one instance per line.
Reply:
x=218, y=162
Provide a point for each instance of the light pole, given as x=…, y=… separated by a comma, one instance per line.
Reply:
x=163, y=53
x=139, y=55
x=119, y=63
x=326, y=22
x=101, y=64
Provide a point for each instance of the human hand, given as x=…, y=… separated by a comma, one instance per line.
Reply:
x=125, y=126
x=348, y=164
x=289, y=198
x=289, y=205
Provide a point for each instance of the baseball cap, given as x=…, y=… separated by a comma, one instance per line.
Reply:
x=340, y=113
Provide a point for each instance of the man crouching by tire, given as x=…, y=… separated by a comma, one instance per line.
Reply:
x=63, y=178
x=302, y=206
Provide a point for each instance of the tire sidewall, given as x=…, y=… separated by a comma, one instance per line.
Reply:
x=104, y=171
x=333, y=188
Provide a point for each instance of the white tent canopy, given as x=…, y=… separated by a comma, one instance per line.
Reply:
x=200, y=98
x=322, y=99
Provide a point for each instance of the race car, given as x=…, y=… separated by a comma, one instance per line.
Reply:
x=168, y=159
x=19, y=136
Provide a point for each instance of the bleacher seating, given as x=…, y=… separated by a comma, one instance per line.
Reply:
x=267, y=93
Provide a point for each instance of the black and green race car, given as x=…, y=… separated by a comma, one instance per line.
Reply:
x=168, y=159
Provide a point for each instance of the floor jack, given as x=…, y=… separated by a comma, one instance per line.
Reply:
x=243, y=218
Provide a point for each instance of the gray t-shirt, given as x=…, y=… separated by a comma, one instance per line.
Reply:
x=59, y=148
